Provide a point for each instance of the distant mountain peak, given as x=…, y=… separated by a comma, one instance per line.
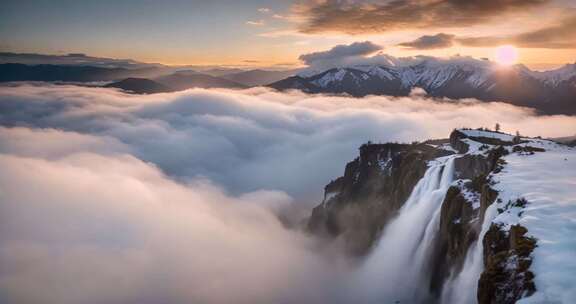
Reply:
x=550, y=92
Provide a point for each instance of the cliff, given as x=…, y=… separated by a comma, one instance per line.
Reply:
x=358, y=207
x=374, y=186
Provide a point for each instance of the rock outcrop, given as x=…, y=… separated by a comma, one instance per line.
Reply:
x=507, y=259
x=359, y=205
x=374, y=186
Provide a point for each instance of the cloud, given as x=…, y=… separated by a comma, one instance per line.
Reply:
x=174, y=198
x=340, y=53
x=362, y=17
x=426, y=42
x=255, y=139
x=113, y=229
x=70, y=59
x=255, y=23
x=264, y=10
x=557, y=36
x=358, y=53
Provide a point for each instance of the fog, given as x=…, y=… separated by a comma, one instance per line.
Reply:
x=107, y=197
x=255, y=139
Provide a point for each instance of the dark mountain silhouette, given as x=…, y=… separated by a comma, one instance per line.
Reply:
x=140, y=86
x=48, y=72
x=258, y=77
x=187, y=80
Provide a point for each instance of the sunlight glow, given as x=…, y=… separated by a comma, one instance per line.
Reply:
x=506, y=55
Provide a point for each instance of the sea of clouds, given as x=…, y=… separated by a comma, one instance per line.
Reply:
x=107, y=197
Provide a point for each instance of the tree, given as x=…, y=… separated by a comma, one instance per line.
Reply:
x=497, y=127
x=516, y=139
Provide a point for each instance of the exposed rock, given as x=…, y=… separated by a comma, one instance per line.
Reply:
x=373, y=188
x=461, y=218
x=458, y=229
x=358, y=205
x=507, y=260
x=457, y=143
x=527, y=150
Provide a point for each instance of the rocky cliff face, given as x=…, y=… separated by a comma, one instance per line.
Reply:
x=359, y=205
x=507, y=259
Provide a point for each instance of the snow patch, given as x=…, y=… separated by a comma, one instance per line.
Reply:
x=547, y=180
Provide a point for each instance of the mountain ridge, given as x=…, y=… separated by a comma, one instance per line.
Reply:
x=485, y=221
x=550, y=92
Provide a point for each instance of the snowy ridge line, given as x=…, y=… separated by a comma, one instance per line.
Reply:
x=544, y=207
x=432, y=73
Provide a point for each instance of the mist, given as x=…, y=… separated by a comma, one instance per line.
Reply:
x=176, y=197
x=256, y=139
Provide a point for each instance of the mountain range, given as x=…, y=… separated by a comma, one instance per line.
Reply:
x=550, y=92
x=141, y=78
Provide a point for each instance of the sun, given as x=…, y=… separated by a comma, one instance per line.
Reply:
x=506, y=55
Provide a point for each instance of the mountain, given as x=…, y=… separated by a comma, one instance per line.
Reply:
x=218, y=72
x=140, y=86
x=550, y=92
x=76, y=59
x=457, y=220
x=77, y=73
x=258, y=77
x=186, y=80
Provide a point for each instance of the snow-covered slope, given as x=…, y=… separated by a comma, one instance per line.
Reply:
x=547, y=180
x=551, y=92
x=555, y=77
x=494, y=221
x=541, y=174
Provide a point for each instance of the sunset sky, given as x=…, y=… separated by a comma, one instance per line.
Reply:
x=275, y=33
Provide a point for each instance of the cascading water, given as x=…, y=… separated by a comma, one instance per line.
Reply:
x=396, y=269
x=463, y=287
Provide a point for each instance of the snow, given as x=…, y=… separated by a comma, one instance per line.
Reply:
x=329, y=78
x=474, y=147
x=471, y=197
x=555, y=77
x=446, y=147
x=547, y=180
x=329, y=196
x=488, y=134
x=377, y=71
x=385, y=163
x=432, y=73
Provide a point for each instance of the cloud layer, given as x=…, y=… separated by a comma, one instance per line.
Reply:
x=88, y=228
x=427, y=42
x=362, y=17
x=254, y=139
x=557, y=36
x=174, y=198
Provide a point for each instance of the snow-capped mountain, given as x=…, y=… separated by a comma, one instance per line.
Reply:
x=563, y=75
x=551, y=92
x=461, y=220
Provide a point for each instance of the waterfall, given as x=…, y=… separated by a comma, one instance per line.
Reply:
x=464, y=286
x=395, y=272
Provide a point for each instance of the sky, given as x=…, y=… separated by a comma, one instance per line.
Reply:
x=275, y=33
